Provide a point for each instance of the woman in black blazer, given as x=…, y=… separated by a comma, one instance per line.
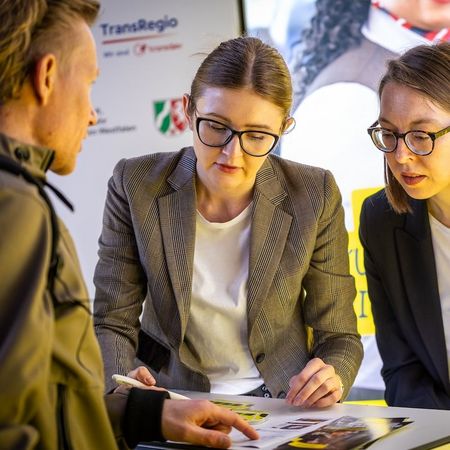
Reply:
x=405, y=229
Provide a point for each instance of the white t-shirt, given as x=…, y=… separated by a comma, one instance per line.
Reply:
x=217, y=326
x=440, y=235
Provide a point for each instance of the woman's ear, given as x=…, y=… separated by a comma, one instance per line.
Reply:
x=289, y=125
x=44, y=77
x=186, y=100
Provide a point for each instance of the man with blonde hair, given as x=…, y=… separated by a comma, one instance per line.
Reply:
x=51, y=373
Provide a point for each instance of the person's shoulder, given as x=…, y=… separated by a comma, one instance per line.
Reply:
x=288, y=164
x=295, y=169
x=154, y=163
x=156, y=173
x=377, y=199
x=24, y=211
x=14, y=188
x=377, y=212
x=363, y=53
x=378, y=202
x=362, y=64
x=153, y=159
x=302, y=179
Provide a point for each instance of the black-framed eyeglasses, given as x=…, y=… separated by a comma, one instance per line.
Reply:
x=419, y=142
x=253, y=142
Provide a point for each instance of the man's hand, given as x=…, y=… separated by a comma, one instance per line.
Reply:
x=201, y=422
x=317, y=385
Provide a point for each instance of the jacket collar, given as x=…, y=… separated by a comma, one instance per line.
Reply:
x=267, y=183
x=36, y=160
x=270, y=230
x=184, y=170
x=270, y=225
x=418, y=270
x=417, y=223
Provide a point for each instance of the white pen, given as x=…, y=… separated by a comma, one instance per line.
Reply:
x=122, y=379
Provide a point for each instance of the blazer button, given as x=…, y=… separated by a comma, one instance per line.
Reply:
x=260, y=358
x=281, y=394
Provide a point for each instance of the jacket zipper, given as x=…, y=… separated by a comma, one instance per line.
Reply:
x=63, y=440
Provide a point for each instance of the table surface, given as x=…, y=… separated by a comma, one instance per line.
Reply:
x=430, y=428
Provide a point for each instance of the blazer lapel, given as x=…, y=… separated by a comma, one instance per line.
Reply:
x=418, y=270
x=177, y=216
x=270, y=228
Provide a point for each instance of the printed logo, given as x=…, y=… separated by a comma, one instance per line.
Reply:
x=139, y=38
x=169, y=116
x=141, y=25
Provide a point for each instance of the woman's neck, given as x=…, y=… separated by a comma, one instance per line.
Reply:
x=215, y=208
x=439, y=208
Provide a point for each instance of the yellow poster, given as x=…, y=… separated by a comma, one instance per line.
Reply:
x=356, y=255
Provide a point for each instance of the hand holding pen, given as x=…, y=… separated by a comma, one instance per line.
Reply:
x=143, y=379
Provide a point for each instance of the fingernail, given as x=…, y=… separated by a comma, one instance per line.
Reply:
x=224, y=442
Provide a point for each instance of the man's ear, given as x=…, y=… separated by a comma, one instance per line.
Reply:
x=186, y=100
x=44, y=77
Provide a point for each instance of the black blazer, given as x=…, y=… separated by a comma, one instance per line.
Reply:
x=403, y=289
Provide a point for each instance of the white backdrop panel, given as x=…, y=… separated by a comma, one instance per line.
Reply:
x=148, y=52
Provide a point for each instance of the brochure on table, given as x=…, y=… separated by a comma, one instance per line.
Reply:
x=302, y=430
x=288, y=428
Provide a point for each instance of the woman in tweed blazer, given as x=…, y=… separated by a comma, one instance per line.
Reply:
x=238, y=258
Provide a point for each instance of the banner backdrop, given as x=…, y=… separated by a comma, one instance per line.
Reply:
x=148, y=52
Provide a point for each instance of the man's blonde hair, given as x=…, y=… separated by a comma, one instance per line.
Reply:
x=31, y=28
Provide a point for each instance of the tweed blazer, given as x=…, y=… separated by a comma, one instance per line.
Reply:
x=403, y=289
x=300, y=293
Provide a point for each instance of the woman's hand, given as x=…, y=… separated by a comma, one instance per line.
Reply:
x=143, y=375
x=317, y=385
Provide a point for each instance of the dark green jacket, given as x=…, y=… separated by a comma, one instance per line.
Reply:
x=51, y=375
